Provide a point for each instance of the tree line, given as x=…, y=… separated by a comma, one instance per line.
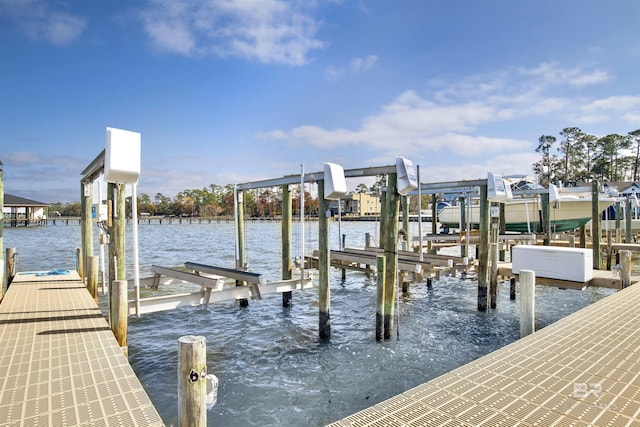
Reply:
x=577, y=157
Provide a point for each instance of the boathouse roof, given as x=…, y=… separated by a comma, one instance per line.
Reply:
x=16, y=201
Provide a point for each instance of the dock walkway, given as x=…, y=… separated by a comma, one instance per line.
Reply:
x=60, y=364
x=583, y=370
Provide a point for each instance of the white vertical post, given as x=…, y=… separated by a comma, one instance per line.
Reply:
x=192, y=385
x=527, y=302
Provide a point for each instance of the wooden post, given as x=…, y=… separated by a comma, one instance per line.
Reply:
x=503, y=230
x=287, y=262
x=434, y=214
x=241, y=262
x=546, y=218
x=595, y=225
x=118, y=312
x=92, y=277
x=618, y=223
x=117, y=254
x=86, y=221
x=404, y=203
x=572, y=241
x=493, y=283
x=192, y=384
x=10, y=265
x=627, y=222
x=390, y=239
x=583, y=236
x=380, y=297
x=464, y=233
x=609, y=248
x=527, y=302
x=483, y=251
x=383, y=224
x=324, y=263
x=367, y=240
x=512, y=288
x=625, y=270
x=79, y=262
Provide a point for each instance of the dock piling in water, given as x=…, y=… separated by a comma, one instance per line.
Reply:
x=389, y=239
x=119, y=311
x=380, y=267
x=192, y=384
x=287, y=262
x=324, y=264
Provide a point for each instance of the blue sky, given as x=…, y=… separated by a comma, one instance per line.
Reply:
x=231, y=91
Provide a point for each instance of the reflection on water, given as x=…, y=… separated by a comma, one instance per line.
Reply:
x=273, y=369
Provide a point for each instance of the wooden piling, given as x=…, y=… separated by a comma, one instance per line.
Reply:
x=86, y=223
x=117, y=254
x=583, y=236
x=389, y=237
x=192, y=384
x=493, y=283
x=595, y=225
x=241, y=262
x=546, y=218
x=483, y=251
x=464, y=233
x=434, y=214
x=625, y=270
x=527, y=302
x=92, y=277
x=609, y=248
x=324, y=263
x=119, y=310
x=627, y=222
x=79, y=263
x=380, y=297
x=503, y=230
x=512, y=288
x=10, y=264
x=404, y=204
x=287, y=262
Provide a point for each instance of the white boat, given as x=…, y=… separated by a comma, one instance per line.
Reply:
x=568, y=212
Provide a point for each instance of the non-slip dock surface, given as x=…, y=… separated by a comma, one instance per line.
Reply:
x=583, y=370
x=60, y=364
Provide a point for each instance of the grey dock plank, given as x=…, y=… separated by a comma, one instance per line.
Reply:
x=583, y=370
x=60, y=365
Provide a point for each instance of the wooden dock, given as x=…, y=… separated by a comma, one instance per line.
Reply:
x=60, y=364
x=583, y=370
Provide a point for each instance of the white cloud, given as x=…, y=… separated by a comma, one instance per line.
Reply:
x=553, y=74
x=269, y=31
x=452, y=119
x=616, y=103
x=356, y=65
x=42, y=20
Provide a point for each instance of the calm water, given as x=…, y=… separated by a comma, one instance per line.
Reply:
x=273, y=369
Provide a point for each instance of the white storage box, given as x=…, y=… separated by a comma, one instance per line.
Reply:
x=573, y=264
x=122, y=156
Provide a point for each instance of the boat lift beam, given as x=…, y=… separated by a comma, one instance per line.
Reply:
x=316, y=176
